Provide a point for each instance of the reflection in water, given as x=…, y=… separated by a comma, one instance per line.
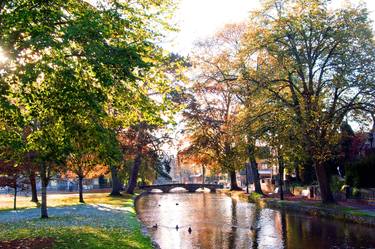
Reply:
x=218, y=221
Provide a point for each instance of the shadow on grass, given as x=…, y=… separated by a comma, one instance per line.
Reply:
x=100, y=223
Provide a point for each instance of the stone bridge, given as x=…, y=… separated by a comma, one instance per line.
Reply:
x=190, y=187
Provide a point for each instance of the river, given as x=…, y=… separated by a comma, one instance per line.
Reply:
x=218, y=221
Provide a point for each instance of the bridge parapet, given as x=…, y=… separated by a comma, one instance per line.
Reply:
x=190, y=187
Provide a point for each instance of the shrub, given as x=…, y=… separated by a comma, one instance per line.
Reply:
x=361, y=173
x=336, y=183
x=254, y=197
x=355, y=192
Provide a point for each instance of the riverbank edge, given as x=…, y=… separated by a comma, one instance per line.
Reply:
x=144, y=229
x=327, y=211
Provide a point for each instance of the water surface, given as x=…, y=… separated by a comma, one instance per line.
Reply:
x=218, y=221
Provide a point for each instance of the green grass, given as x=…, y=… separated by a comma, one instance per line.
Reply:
x=59, y=200
x=116, y=225
x=80, y=237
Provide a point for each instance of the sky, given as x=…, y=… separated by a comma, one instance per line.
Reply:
x=198, y=19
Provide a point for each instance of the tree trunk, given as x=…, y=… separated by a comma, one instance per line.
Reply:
x=247, y=178
x=325, y=190
x=254, y=169
x=44, y=179
x=134, y=174
x=307, y=171
x=203, y=174
x=80, y=188
x=281, y=176
x=233, y=181
x=34, y=193
x=116, y=185
x=43, y=207
x=15, y=195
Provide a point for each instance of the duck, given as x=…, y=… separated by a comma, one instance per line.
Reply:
x=155, y=226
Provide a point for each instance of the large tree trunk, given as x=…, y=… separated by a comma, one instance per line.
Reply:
x=256, y=178
x=134, y=174
x=233, y=181
x=34, y=193
x=281, y=176
x=254, y=169
x=325, y=190
x=116, y=185
x=307, y=176
x=80, y=188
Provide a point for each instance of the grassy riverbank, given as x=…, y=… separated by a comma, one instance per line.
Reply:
x=102, y=222
x=334, y=211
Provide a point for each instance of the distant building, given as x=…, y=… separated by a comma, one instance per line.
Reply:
x=198, y=178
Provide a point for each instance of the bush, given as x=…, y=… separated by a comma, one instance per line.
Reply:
x=356, y=192
x=254, y=197
x=361, y=173
x=336, y=184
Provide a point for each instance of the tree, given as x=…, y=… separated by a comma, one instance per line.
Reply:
x=75, y=60
x=318, y=64
x=213, y=108
x=83, y=159
x=141, y=144
x=13, y=162
x=248, y=125
x=31, y=170
x=11, y=176
x=197, y=153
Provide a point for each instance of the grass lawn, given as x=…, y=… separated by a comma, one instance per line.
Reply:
x=102, y=222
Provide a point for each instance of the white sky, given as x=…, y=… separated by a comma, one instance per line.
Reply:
x=198, y=19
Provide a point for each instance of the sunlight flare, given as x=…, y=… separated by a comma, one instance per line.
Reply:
x=3, y=57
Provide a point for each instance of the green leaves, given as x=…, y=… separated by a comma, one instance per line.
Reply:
x=78, y=72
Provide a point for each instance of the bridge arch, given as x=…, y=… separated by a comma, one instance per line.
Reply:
x=190, y=187
x=176, y=188
x=155, y=190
